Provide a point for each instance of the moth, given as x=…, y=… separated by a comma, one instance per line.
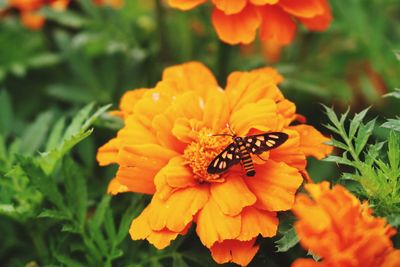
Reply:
x=241, y=147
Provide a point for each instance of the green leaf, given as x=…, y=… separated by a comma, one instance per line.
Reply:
x=332, y=116
x=35, y=135
x=394, y=152
x=75, y=189
x=99, y=215
x=55, y=135
x=356, y=121
x=75, y=132
x=6, y=111
x=287, y=241
x=339, y=160
x=337, y=144
x=393, y=124
x=395, y=94
x=42, y=182
x=364, y=132
x=54, y=214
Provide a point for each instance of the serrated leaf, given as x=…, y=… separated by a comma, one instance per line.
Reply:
x=364, y=132
x=77, y=122
x=343, y=117
x=339, y=160
x=395, y=94
x=41, y=181
x=35, y=134
x=355, y=122
x=55, y=135
x=287, y=241
x=337, y=144
x=332, y=116
x=373, y=152
x=393, y=124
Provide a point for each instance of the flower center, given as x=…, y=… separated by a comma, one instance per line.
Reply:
x=201, y=152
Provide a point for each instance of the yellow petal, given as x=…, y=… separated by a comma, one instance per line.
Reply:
x=255, y=222
x=140, y=229
x=136, y=179
x=232, y=188
x=108, y=153
x=312, y=141
x=239, y=252
x=275, y=185
x=260, y=115
x=213, y=225
x=176, y=212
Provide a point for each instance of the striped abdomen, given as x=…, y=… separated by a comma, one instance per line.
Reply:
x=245, y=157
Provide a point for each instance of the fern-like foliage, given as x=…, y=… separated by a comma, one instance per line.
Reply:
x=374, y=166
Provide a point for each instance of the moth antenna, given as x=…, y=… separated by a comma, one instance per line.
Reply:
x=222, y=135
x=230, y=129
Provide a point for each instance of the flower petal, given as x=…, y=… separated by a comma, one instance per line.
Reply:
x=186, y=130
x=236, y=28
x=148, y=156
x=230, y=7
x=289, y=152
x=115, y=187
x=108, y=153
x=261, y=115
x=140, y=229
x=185, y=4
x=191, y=76
x=216, y=112
x=213, y=225
x=275, y=186
x=303, y=9
x=277, y=25
x=233, y=187
x=249, y=87
x=264, y=2
x=176, y=212
x=129, y=99
x=134, y=179
x=320, y=22
x=239, y=252
x=177, y=175
x=312, y=141
x=255, y=222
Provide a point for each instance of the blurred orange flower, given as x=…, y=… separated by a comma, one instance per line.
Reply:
x=334, y=225
x=166, y=146
x=29, y=9
x=237, y=21
x=112, y=3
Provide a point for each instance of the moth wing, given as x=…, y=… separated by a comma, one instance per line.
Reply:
x=226, y=159
x=260, y=143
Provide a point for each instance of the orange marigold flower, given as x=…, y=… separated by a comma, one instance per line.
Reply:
x=167, y=144
x=112, y=3
x=237, y=21
x=334, y=225
x=29, y=10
